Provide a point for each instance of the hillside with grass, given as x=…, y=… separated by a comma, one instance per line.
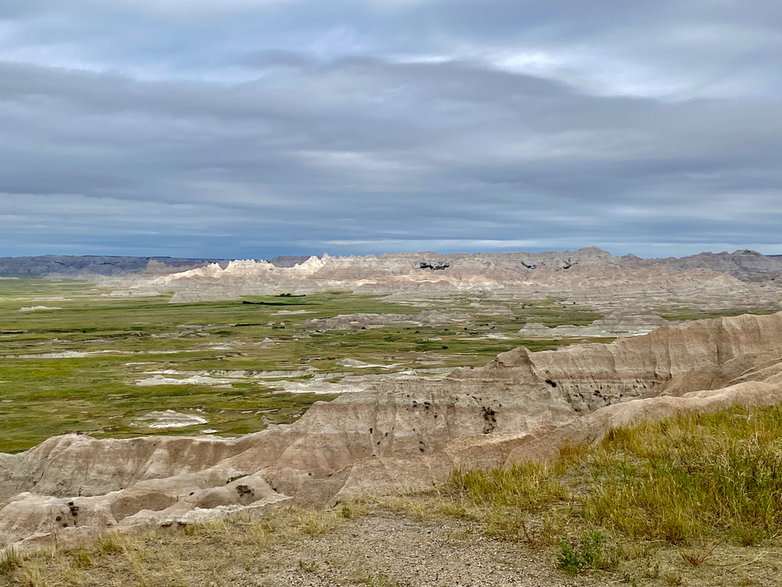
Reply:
x=691, y=500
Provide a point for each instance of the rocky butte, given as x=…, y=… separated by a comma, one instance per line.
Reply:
x=588, y=276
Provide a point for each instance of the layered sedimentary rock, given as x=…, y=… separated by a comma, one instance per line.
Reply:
x=590, y=276
x=744, y=263
x=705, y=354
x=617, y=323
x=400, y=435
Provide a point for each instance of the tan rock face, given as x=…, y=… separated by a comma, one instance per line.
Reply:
x=404, y=434
x=617, y=323
x=588, y=276
x=674, y=359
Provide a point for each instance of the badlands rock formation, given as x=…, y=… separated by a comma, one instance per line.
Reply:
x=588, y=276
x=617, y=323
x=745, y=264
x=357, y=321
x=400, y=435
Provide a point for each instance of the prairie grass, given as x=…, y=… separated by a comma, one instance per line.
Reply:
x=694, y=476
x=502, y=500
x=75, y=369
x=525, y=486
x=685, y=490
x=9, y=560
x=686, y=313
x=192, y=554
x=688, y=491
x=691, y=477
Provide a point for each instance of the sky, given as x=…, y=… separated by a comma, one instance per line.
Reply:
x=253, y=128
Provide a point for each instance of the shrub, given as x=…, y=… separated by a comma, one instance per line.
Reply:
x=589, y=553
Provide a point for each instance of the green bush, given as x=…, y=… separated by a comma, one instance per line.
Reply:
x=589, y=553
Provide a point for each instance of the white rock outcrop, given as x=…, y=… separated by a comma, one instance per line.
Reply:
x=588, y=275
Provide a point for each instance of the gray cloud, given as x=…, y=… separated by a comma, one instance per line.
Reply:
x=247, y=129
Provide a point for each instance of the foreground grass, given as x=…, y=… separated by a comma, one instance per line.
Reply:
x=693, y=477
x=717, y=476
x=215, y=553
x=694, y=483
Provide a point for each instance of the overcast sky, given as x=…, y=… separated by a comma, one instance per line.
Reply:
x=250, y=128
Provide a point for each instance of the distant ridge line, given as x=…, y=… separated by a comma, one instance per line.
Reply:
x=741, y=262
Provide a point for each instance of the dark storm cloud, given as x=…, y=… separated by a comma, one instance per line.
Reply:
x=248, y=129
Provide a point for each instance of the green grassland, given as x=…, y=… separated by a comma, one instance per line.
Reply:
x=76, y=368
x=687, y=313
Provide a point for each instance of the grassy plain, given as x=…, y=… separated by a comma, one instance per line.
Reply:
x=76, y=366
x=687, y=313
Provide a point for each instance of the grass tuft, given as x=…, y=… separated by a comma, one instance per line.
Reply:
x=10, y=559
x=691, y=477
x=590, y=553
x=111, y=543
x=526, y=486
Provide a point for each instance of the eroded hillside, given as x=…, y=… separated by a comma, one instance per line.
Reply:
x=397, y=435
x=589, y=276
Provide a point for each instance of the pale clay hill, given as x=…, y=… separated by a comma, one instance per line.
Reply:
x=588, y=276
x=745, y=264
x=403, y=435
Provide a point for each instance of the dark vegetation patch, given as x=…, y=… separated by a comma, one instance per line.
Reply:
x=685, y=313
x=435, y=267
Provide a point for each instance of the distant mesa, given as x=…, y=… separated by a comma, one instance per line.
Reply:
x=587, y=276
x=70, y=265
x=744, y=263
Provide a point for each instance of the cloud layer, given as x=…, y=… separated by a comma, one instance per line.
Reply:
x=247, y=129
